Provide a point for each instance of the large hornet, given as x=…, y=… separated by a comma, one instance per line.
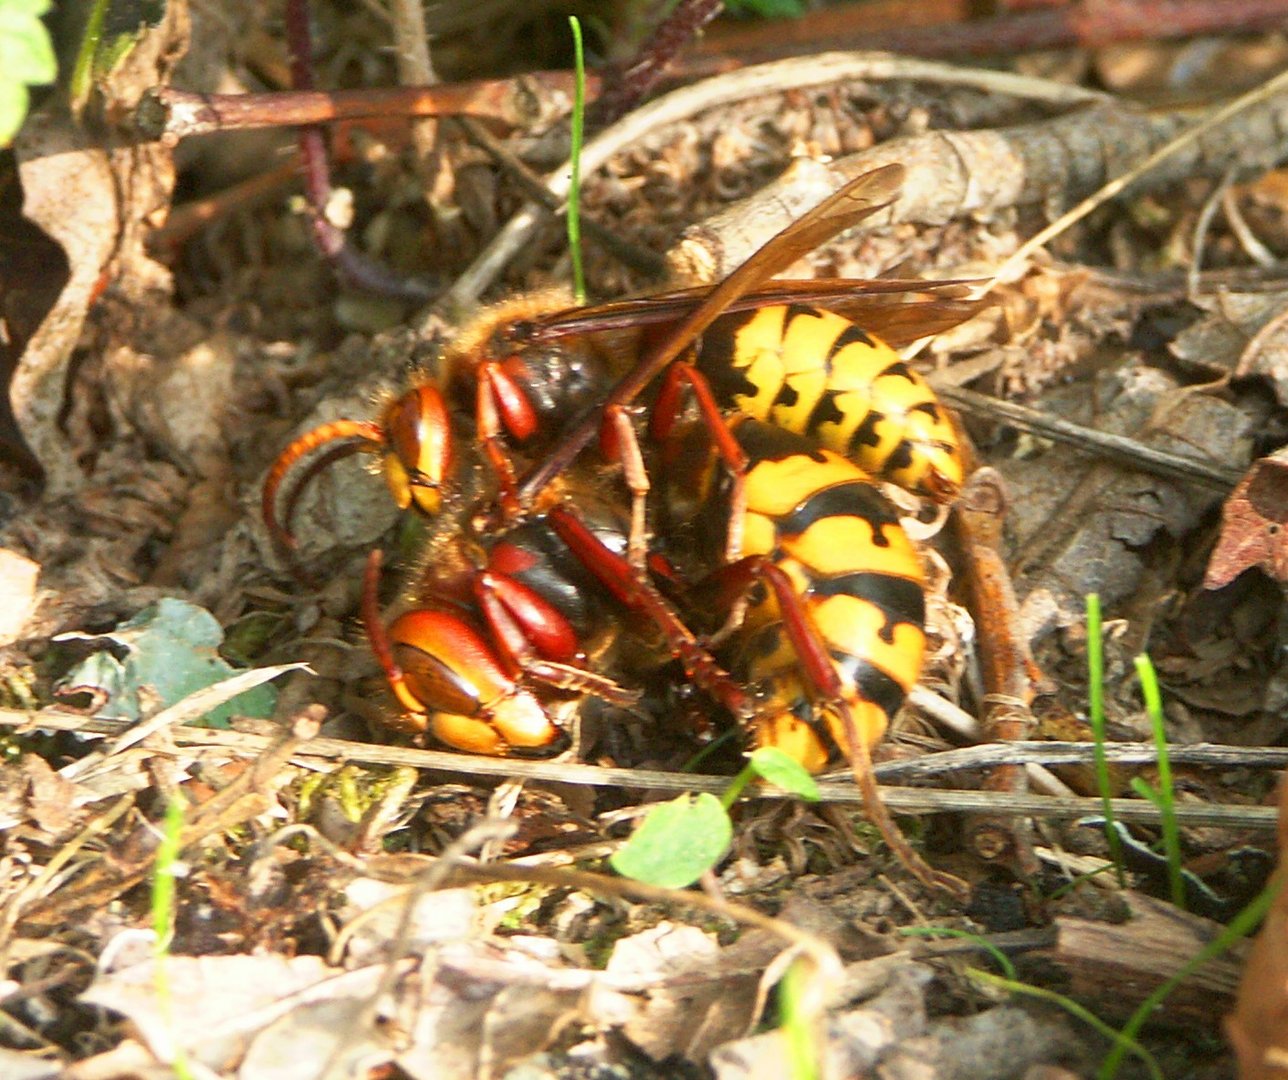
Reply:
x=785, y=353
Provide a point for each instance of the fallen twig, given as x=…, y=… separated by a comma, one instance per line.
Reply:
x=1119, y=448
x=901, y=800
x=532, y=100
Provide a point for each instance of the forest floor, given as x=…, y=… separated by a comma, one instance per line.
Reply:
x=350, y=897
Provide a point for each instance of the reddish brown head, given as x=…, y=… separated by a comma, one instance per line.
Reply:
x=414, y=435
x=418, y=448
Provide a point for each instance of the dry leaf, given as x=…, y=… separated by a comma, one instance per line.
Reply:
x=1258, y=1027
x=18, y=576
x=1252, y=525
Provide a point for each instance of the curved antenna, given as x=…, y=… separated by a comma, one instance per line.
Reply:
x=367, y=436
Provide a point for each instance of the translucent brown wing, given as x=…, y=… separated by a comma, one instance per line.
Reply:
x=896, y=309
x=860, y=198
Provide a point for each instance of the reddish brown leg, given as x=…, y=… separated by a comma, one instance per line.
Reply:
x=626, y=448
x=820, y=675
x=373, y=623
x=499, y=402
x=617, y=576
x=666, y=411
x=537, y=641
x=737, y=578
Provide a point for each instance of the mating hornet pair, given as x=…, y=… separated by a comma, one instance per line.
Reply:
x=775, y=416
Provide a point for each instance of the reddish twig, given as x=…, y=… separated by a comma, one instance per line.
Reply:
x=628, y=83
x=349, y=263
x=531, y=100
x=943, y=28
x=1006, y=665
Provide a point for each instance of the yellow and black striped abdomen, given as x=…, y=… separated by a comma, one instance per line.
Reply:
x=829, y=529
x=817, y=374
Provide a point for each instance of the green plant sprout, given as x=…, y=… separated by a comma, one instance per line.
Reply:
x=799, y=1031
x=1096, y=715
x=574, y=187
x=163, y=879
x=26, y=59
x=1164, y=796
x=680, y=840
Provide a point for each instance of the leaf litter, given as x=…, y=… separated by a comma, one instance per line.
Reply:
x=150, y=410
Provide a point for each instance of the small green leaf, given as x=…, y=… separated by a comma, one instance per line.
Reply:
x=26, y=59
x=169, y=647
x=676, y=843
x=767, y=9
x=783, y=771
x=13, y=109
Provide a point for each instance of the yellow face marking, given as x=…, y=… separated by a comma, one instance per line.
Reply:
x=397, y=480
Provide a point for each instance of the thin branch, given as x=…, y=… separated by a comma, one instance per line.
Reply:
x=533, y=100
x=533, y=186
x=940, y=29
x=1118, y=448
x=686, y=102
x=349, y=263
x=901, y=800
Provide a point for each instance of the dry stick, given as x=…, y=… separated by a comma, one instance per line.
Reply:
x=1006, y=665
x=827, y=963
x=764, y=79
x=528, y=101
x=1172, y=149
x=905, y=800
x=1118, y=448
x=332, y=242
x=34, y=891
x=241, y=801
x=411, y=56
x=952, y=174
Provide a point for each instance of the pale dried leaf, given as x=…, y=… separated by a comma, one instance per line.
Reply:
x=1258, y=1026
x=700, y=999
x=216, y=1002
x=18, y=576
x=445, y=915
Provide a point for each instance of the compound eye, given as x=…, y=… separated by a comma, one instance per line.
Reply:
x=433, y=683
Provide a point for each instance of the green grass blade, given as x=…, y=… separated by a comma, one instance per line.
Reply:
x=163, y=879
x=574, y=189
x=1123, y=1043
x=1000, y=958
x=802, y=1043
x=1096, y=714
x=1164, y=796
